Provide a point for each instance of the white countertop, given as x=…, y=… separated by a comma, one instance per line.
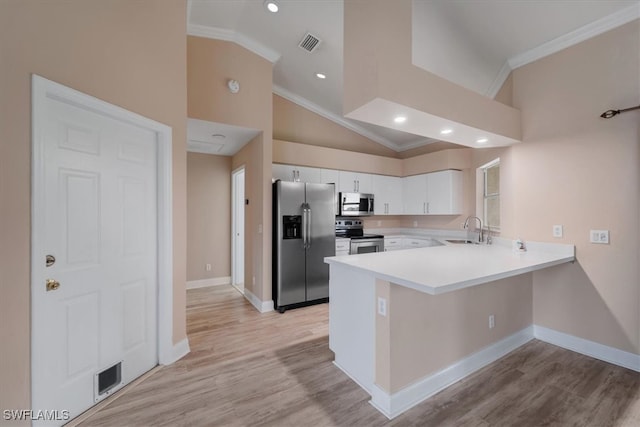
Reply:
x=440, y=269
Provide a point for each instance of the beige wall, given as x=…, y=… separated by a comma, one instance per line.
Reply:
x=127, y=53
x=331, y=158
x=208, y=216
x=579, y=170
x=210, y=64
x=429, y=148
x=291, y=122
x=378, y=65
x=505, y=94
x=423, y=333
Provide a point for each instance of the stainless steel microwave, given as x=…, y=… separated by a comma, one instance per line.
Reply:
x=355, y=204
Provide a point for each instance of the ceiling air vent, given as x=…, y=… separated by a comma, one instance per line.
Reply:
x=309, y=42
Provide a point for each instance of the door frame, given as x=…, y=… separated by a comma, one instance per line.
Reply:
x=234, y=223
x=41, y=89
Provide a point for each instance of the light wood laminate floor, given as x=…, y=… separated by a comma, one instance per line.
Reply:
x=252, y=369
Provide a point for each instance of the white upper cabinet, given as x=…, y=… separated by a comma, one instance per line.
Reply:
x=414, y=190
x=295, y=173
x=355, y=182
x=388, y=195
x=329, y=176
x=437, y=193
x=444, y=192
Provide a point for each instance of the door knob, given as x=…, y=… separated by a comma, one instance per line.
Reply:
x=52, y=285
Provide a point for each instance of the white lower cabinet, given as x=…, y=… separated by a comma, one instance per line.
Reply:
x=392, y=244
x=342, y=246
x=398, y=242
x=414, y=243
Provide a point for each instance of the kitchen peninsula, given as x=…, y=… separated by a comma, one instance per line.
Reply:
x=406, y=324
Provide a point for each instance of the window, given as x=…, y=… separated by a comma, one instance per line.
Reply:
x=491, y=194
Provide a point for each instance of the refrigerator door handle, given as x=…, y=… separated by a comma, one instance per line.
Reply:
x=308, y=226
x=304, y=226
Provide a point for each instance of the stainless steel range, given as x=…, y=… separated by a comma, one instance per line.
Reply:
x=360, y=243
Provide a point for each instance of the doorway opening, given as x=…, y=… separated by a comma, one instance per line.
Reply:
x=237, y=229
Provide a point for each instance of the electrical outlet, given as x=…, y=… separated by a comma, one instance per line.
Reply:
x=415, y=223
x=207, y=267
x=382, y=306
x=379, y=223
x=259, y=228
x=557, y=231
x=492, y=321
x=599, y=236
x=254, y=280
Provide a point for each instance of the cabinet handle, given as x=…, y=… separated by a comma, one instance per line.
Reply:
x=427, y=207
x=424, y=207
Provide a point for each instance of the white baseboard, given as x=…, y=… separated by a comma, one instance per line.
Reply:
x=393, y=405
x=179, y=350
x=214, y=281
x=261, y=306
x=588, y=348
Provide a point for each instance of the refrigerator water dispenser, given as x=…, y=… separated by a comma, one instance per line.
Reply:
x=291, y=227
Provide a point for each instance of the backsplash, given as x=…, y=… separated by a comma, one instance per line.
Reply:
x=448, y=222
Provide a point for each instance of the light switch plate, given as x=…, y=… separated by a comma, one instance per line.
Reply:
x=599, y=236
x=557, y=231
x=382, y=306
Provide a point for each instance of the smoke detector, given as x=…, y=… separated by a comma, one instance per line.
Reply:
x=309, y=42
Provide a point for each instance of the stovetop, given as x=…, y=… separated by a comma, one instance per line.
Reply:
x=368, y=236
x=351, y=228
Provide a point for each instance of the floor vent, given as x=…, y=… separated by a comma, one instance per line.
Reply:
x=309, y=42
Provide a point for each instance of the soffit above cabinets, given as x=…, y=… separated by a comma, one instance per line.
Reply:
x=472, y=44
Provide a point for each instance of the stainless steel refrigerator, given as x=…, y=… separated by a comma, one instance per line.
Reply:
x=303, y=235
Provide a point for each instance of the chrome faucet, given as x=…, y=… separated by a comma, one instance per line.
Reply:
x=466, y=225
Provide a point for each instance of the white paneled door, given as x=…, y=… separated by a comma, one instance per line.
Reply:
x=95, y=266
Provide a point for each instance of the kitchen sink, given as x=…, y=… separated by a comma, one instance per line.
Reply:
x=462, y=242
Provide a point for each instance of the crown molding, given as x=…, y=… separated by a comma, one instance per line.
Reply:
x=498, y=82
x=593, y=29
x=233, y=36
x=305, y=103
x=415, y=144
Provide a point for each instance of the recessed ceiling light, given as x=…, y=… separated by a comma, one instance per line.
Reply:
x=400, y=119
x=321, y=76
x=271, y=6
x=482, y=140
x=446, y=131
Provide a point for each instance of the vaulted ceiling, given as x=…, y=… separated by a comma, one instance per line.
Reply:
x=473, y=43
